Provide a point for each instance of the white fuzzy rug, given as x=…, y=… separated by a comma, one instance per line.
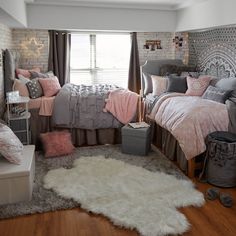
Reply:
x=129, y=196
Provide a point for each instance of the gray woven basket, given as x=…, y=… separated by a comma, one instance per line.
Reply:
x=220, y=162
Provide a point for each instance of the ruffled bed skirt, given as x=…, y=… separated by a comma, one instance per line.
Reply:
x=80, y=137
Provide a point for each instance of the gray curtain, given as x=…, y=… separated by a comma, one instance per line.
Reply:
x=134, y=82
x=59, y=55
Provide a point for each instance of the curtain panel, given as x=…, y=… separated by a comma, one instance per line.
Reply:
x=134, y=80
x=59, y=55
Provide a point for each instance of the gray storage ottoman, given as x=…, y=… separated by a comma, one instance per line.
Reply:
x=136, y=141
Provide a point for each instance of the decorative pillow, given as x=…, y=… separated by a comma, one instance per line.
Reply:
x=190, y=73
x=35, y=74
x=57, y=143
x=216, y=94
x=34, y=88
x=227, y=84
x=25, y=73
x=23, y=79
x=159, y=84
x=196, y=87
x=21, y=87
x=176, y=84
x=50, y=86
x=147, y=83
x=11, y=146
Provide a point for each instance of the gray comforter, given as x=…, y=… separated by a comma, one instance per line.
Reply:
x=80, y=106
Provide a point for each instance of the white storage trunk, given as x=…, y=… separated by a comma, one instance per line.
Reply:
x=16, y=181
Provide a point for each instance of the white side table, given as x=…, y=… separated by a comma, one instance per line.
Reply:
x=19, y=123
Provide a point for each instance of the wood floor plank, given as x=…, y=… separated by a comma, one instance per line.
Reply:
x=210, y=220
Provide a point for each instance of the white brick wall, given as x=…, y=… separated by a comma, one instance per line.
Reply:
x=168, y=50
x=31, y=58
x=5, y=42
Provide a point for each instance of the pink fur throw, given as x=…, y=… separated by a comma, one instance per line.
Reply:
x=196, y=87
x=122, y=104
x=57, y=143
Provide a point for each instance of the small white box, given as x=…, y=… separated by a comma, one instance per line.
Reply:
x=16, y=181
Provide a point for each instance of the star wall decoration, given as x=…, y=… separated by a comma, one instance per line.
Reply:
x=32, y=47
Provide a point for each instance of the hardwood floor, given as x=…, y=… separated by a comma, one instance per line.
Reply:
x=211, y=220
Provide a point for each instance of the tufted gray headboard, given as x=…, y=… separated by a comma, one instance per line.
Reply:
x=152, y=67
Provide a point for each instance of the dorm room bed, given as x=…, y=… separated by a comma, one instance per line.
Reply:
x=78, y=108
x=181, y=123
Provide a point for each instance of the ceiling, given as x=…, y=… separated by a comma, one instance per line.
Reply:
x=136, y=4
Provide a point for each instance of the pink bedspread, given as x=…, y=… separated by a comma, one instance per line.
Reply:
x=190, y=119
x=122, y=104
x=44, y=104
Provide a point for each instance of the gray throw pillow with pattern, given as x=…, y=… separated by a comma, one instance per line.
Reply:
x=34, y=88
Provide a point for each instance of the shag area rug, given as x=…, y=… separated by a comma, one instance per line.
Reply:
x=45, y=199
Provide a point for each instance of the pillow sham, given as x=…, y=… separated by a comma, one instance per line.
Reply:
x=216, y=94
x=11, y=146
x=34, y=88
x=196, y=87
x=147, y=83
x=190, y=73
x=21, y=87
x=57, y=143
x=23, y=79
x=227, y=84
x=25, y=73
x=176, y=84
x=50, y=86
x=159, y=84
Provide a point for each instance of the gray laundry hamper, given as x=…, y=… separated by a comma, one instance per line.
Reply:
x=220, y=161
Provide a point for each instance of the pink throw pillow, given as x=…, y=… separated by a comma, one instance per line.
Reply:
x=10, y=146
x=50, y=86
x=196, y=87
x=21, y=87
x=57, y=143
x=26, y=73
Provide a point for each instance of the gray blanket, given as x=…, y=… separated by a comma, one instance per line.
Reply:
x=80, y=106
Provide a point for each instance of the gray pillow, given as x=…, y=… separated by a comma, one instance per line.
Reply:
x=35, y=74
x=177, y=84
x=227, y=84
x=216, y=94
x=147, y=83
x=34, y=88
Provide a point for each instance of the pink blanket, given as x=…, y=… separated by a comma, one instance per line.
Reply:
x=122, y=104
x=44, y=104
x=190, y=119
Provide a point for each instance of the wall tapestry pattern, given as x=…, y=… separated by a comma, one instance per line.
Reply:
x=214, y=51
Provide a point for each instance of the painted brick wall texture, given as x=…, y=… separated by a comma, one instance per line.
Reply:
x=5, y=42
x=33, y=48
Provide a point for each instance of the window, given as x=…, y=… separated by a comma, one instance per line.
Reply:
x=100, y=59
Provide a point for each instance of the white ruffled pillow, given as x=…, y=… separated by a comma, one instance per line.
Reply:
x=11, y=146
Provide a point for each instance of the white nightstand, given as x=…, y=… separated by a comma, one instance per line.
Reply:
x=19, y=123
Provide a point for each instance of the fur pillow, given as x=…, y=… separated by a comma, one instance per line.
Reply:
x=11, y=146
x=21, y=87
x=50, y=86
x=159, y=84
x=57, y=143
x=196, y=87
